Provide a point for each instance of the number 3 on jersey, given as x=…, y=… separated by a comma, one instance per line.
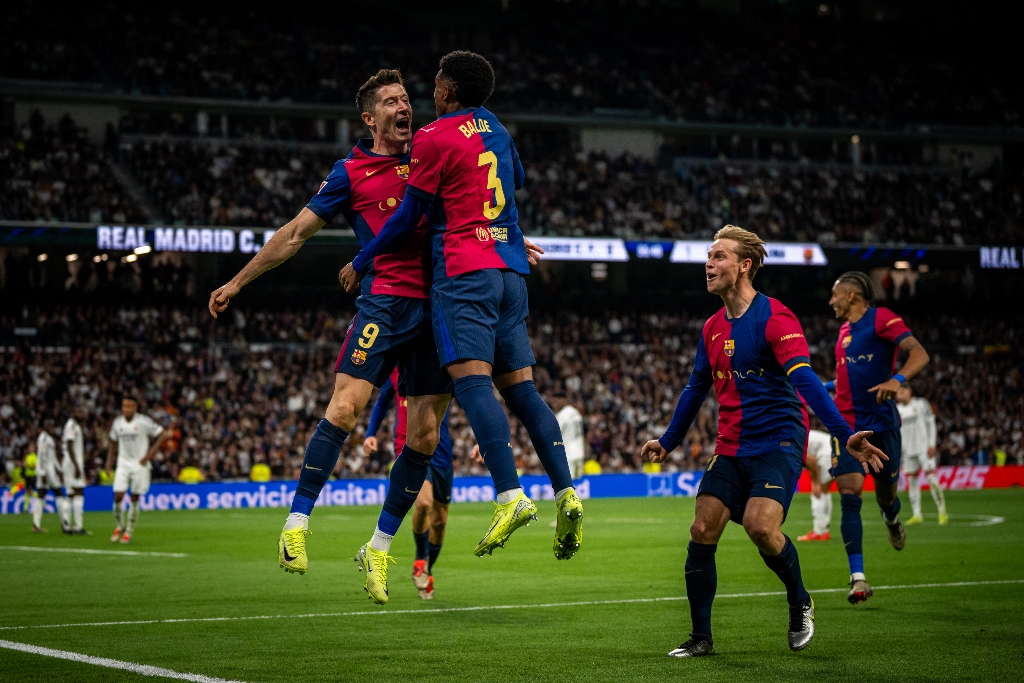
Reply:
x=492, y=210
x=369, y=336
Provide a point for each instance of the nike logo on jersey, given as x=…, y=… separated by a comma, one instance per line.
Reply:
x=287, y=557
x=715, y=336
x=769, y=486
x=369, y=173
x=313, y=468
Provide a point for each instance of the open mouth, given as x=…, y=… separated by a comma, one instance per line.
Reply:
x=711, y=276
x=403, y=125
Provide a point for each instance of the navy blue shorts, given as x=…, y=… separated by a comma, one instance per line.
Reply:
x=735, y=480
x=482, y=316
x=889, y=441
x=440, y=477
x=388, y=331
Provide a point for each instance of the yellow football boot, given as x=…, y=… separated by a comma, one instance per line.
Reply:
x=568, y=525
x=507, y=518
x=291, y=550
x=375, y=563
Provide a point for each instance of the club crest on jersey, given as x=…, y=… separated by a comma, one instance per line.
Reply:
x=847, y=339
x=730, y=347
x=358, y=357
x=403, y=171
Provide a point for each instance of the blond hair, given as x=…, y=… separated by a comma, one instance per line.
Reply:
x=750, y=246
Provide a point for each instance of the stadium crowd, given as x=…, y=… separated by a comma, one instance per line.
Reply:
x=797, y=73
x=251, y=387
x=52, y=173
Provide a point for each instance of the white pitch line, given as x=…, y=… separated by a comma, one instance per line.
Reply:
x=88, y=551
x=141, y=669
x=484, y=608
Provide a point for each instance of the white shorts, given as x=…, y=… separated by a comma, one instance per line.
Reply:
x=70, y=480
x=912, y=464
x=48, y=478
x=134, y=477
x=824, y=464
x=576, y=468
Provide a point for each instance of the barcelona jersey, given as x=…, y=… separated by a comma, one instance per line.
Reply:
x=748, y=359
x=467, y=166
x=367, y=188
x=865, y=357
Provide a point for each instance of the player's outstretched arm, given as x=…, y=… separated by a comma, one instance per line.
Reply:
x=812, y=391
x=391, y=238
x=916, y=362
x=689, y=404
x=281, y=247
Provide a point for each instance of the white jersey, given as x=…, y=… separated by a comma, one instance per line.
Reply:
x=46, y=452
x=132, y=437
x=918, y=429
x=73, y=433
x=819, y=447
x=570, y=422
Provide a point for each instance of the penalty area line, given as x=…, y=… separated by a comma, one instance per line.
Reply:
x=88, y=551
x=486, y=608
x=141, y=669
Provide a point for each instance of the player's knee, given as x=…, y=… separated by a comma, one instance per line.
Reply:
x=701, y=532
x=343, y=412
x=759, y=532
x=424, y=438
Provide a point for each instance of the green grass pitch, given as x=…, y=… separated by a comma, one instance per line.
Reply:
x=633, y=549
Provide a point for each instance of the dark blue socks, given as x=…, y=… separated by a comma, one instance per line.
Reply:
x=891, y=513
x=433, y=551
x=701, y=584
x=786, y=566
x=526, y=404
x=407, y=476
x=321, y=456
x=853, y=531
x=421, y=544
x=490, y=425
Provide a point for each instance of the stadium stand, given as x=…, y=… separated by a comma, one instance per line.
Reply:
x=799, y=73
x=250, y=391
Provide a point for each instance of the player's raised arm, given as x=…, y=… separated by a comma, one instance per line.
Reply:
x=689, y=404
x=281, y=247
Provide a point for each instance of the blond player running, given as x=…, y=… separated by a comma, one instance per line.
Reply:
x=129, y=443
x=918, y=434
x=818, y=460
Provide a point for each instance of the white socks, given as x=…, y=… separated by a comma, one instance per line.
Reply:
x=936, y=488
x=508, y=496
x=296, y=520
x=914, y=494
x=37, y=511
x=119, y=514
x=133, y=516
x=381, y=541
x=821, y=511
x=559, y=494
x=64, y=510
x=78, y=507
x=857, y=576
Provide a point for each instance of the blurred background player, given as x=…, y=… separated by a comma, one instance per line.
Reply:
x=29, y=473
x=919, y=439
x=129, y=444
x=72, y=441
x=391, y=326
x=430, y=511
x=464, y=175
x=866, y=352
x=47, y=475
x=753, y=351
x=818, y=462
x=570, y=422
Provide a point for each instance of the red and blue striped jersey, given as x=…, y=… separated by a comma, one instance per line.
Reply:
x=467, y=166
x=367, y=189
x=866, y=356
x=749, y=359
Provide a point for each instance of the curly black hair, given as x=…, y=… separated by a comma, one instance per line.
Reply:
x=861, y=281
x=471, y=74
